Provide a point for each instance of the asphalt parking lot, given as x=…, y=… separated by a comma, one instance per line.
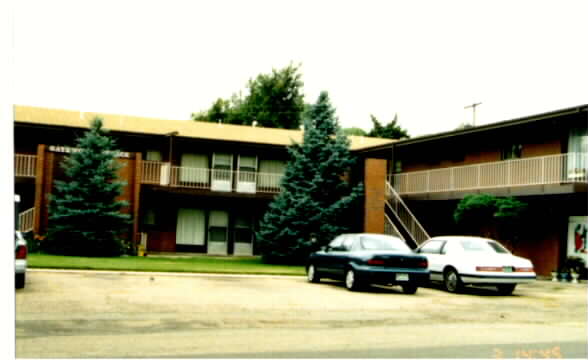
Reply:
x=113, y=314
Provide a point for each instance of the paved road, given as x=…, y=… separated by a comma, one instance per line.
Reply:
x=83, y=314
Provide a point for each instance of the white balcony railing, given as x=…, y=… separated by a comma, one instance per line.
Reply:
x=25, y=165
x=26, y=220
x=543, y=170
x=160, y=173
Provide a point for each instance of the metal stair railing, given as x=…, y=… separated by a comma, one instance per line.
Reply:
x=406, y=218
x=391, y=229
x=26, y=220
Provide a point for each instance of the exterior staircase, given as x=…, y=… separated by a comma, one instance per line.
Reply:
x=400, y=221
x=26, y=220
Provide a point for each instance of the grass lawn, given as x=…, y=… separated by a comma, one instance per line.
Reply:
x=199, y=264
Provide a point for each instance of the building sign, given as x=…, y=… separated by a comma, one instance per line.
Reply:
x=577, y=237
x=69, y=150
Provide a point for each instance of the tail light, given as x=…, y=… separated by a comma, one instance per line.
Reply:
x=424, y=263
x=21, y=252
x=378, y=262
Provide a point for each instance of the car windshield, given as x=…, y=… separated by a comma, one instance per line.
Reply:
x=382, y=243
x=481, y=245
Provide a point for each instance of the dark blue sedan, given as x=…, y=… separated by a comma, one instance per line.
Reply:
x=361, y=259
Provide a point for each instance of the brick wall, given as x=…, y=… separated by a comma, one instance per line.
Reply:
x=375, y=195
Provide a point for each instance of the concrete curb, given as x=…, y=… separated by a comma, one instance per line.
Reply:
x=183, y=274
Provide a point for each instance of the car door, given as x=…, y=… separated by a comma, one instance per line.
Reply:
x=326, y=264
x=341, y=256
x=432, y=250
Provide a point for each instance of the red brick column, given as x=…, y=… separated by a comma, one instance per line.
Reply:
x=136, y=186
x=39, y=174
x=375, y=195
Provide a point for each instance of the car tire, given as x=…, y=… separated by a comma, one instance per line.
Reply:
x=409, y=289
x=452, y=281
x=19, y=281
x=312, y=275
x=351, y=280
x=506, y=289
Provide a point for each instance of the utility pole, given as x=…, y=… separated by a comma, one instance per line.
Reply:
x=473, y=106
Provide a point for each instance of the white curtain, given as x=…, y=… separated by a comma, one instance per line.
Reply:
x=190, y=227
x=275, y=168
x=194, y=168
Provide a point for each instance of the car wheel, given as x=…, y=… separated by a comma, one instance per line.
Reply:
x=19, y=281
x=351, y=281
x=409, y=289
x=506, y=289
x=312, y=275
x=452, y=281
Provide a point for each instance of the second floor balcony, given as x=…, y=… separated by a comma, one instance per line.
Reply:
x=556, y=170
x=221, y=180
x=25, y=165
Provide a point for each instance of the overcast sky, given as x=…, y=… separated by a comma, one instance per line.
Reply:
x=424, y=60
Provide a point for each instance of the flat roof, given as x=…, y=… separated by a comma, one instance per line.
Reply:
x=185, y=128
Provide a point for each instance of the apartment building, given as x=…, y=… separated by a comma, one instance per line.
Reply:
x=191, y=186
x=540, y=159
x=203, y=187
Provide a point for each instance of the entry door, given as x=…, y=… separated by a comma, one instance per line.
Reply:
x=218, y=232
x=190, y=227
x=243, y=235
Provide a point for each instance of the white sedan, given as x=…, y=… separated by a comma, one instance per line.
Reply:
x=464, y=260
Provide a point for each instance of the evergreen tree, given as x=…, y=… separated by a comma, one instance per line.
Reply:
x=315, y=199
x=84, y=214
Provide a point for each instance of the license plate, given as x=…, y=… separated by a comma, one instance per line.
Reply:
x=507, y=269
x=401, y=277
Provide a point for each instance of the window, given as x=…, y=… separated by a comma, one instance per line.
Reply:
x=397, y=166
x=382, y=242
x=432, y=247
x=247, y=163
x=149, y=217
x=153, y=155
x=243, y=230
x=190, y=227
x=497, y=247
x=222, y=176
x=218, y=226
x=246, y=181
x=348, y=242
x=222, y=161
x=474, y=245
x=577, y=150
x=338, y=241
x=194, y=168
x=511, y=151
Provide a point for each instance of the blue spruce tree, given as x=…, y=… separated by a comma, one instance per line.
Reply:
x=85, y=216
x=316, y=199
